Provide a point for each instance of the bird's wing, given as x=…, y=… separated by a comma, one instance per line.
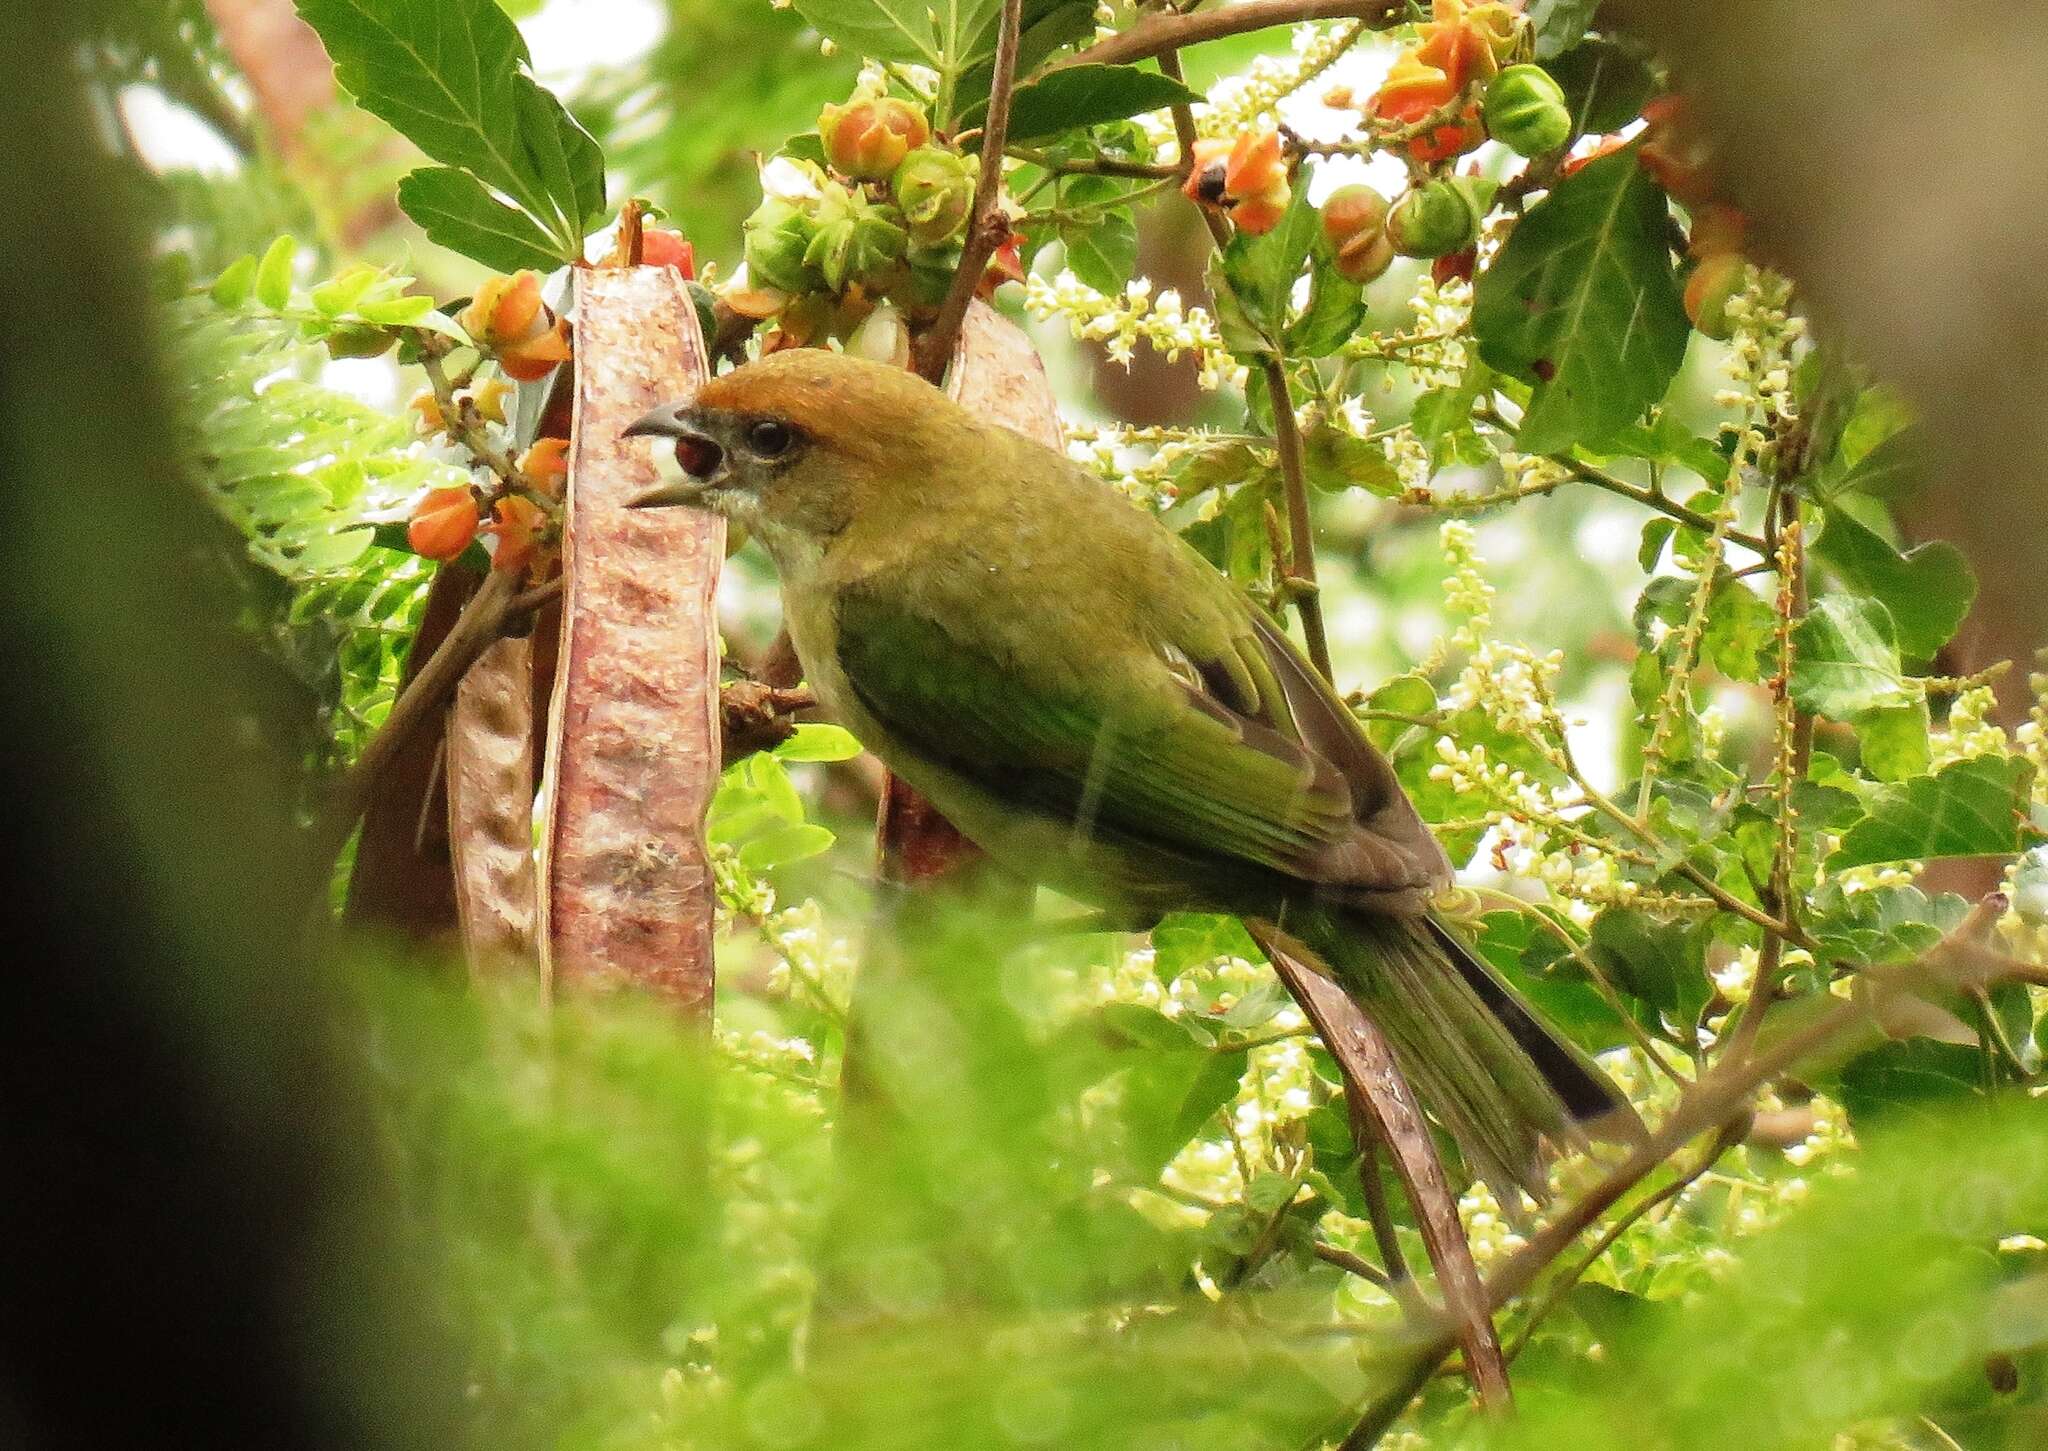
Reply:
x=1228, y=749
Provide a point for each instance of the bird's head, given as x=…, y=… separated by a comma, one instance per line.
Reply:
x=798, y=445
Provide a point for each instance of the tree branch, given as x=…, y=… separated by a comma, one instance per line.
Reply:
x=991, y=226
x=1299, y=578
x=1163, y=31
x=1714, y=1103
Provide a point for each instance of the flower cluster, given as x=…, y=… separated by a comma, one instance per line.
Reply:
x=1240, y=103
x=1120, y=322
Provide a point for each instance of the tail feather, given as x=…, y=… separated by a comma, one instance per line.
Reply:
x=1479, y=1059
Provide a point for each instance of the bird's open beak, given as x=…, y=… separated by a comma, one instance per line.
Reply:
x=688, y=469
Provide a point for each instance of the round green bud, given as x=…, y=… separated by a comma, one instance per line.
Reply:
x=1526, y=111
x=1437, y=217
x=855, y=240
x=935, y=189
x=359, y=340
x=777, y=237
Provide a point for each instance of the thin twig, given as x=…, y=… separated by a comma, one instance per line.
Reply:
x=1163, y=31
x=1299, y=580
x=1353, y=1264
x=1554, y=1294
x=991, y=226
x=1719, y=1099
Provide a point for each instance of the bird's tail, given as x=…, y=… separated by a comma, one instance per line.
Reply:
x=1482, y=1063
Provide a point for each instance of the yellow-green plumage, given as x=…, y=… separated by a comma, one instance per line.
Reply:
x=1090, y=702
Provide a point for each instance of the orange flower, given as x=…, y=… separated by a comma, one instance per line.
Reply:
x=660, y=247
x=518, y=526
x=508, y=319
x=1675, y=153
x=1007, y=265
x=1460, y=49
x=489, y=398
x=443, y=522
x=534, y=359
x=428, y=407
x=504, y=310
x=545, y=466
x=1413, y=89
x=1246, y=177
x=1606, y=148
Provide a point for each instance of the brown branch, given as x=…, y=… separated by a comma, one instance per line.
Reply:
x=1353, y=1264
x=1101, y=166
x=1299, y=580
x=1717, y=1102
x=1161, y=31
x=756, y=717
x=991, y=225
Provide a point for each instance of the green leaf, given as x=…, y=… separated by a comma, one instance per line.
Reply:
x=340, y=293
x=1334, y=460
x=1087, y=95
x=1888, y=924
x=818, y=741
x=784, y=845
x=1659, y=963
x=1269, y=1193
x=1976, y=807
x=450, y=76
x=1895, y=468
x=1261, y=271
x=237, y=280
x=1604, y=84
x=455, y=211
x=1927, y=590
x=274, y=274
x=1581, y=303
x=1442, y=419
x=887, y=29
x=1739, y=627
x=1656, y=534
x=1192, y=939
x=1104, y=251
x=1845, y=659
x=1169, y=1095
x=1893, y=742
x=1335, y=309
x=1920, y=1077
x=1665, y=440
x=1559, y=24
x=1049, y=25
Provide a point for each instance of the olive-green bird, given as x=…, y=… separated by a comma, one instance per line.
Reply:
x=1098, y=709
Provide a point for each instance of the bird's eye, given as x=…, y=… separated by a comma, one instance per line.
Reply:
x=770, y=439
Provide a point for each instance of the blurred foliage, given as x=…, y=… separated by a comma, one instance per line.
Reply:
x=1638, y=614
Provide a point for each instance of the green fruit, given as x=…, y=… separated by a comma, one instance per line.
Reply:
x=1526, y=111
x=1437, y=217
x=855, y=240
x=777, y=237
x=359, y=340
x=935, y=189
